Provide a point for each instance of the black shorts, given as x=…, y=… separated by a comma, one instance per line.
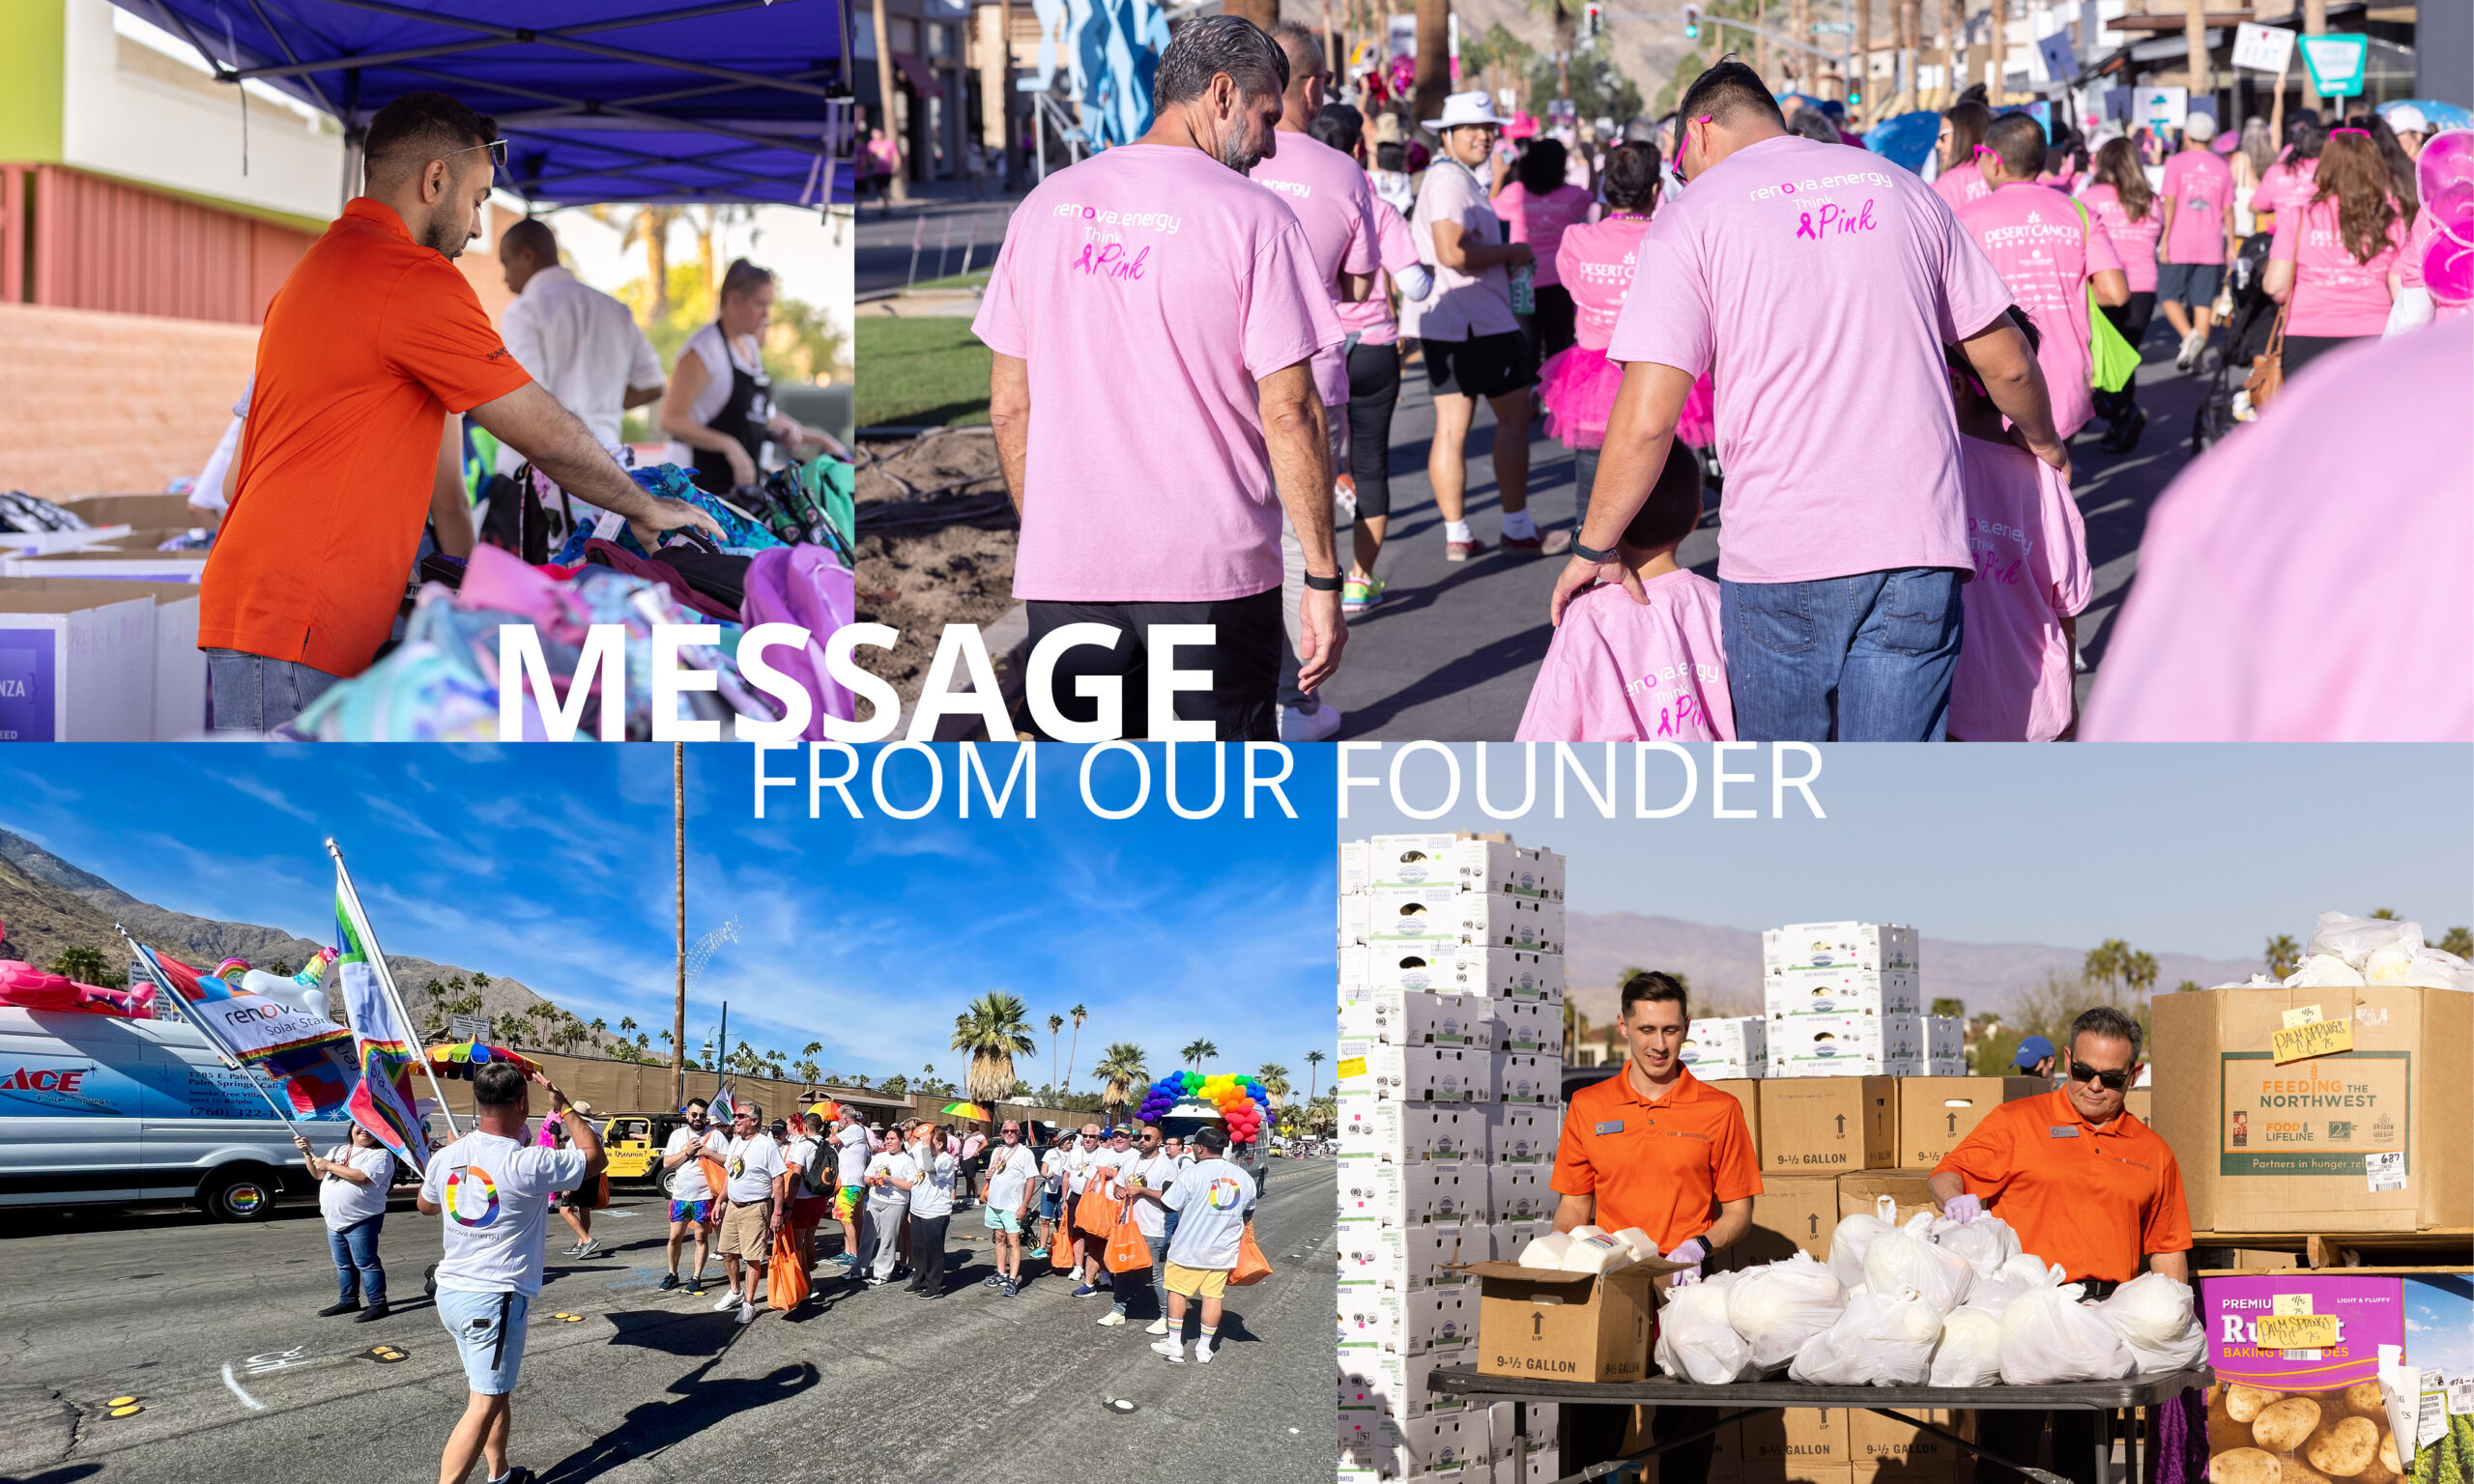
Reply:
x=1479, y=366
x=1241, y=703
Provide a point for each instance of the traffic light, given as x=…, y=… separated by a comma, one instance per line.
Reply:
x=1692, y=22
x=1593, y=20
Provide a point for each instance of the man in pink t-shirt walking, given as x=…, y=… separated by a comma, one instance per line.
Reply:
x=1791, y=265
x=2197, y=204
x=1155, y=318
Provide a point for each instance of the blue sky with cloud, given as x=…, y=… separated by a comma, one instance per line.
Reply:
x=552, y=865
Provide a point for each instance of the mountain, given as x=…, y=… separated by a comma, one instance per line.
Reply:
x=1723, y=964
x=46, y=905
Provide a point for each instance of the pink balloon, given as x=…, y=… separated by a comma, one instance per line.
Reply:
x=2447, y=159
x=2448, y=269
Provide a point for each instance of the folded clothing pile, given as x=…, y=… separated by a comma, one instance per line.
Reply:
x=23, y=512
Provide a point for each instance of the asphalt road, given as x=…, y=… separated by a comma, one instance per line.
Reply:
x=1453, y=650
x=212, y=1327
x=947, y=228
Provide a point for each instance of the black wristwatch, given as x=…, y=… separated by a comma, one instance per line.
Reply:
x=1590, y=553
x=1323, y=583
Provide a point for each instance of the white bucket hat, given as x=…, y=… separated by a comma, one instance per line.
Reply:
x=1478, y=108
x=2405, y=119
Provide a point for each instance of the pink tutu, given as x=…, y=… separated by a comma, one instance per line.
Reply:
x=1578, y=386
x=1697, y=425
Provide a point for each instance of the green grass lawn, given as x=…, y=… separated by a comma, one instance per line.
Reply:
x=925, y=372
x=976, y=278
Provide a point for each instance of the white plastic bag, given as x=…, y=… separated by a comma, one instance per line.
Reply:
x=1854, y=1234
x=1907, y=1259
x=2324, y=971
x=1778, y=1306
x=2354, y=939
x=2437, y=968
x=1695, y=1341
x=1970, y=1351
x=2155, y=1318
x=1986, y=1242
x=2020, y=1274
x=1882, y=1339
x=2048, y=1335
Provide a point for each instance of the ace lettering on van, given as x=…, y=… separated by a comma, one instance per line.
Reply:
x=44, y=1079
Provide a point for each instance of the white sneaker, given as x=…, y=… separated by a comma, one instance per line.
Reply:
x=729, y=1300
x=1298, y=725
x=1110, y=1320
x=1204, y=1350
x=1158, y=1326
x=1174, y=1351
x=747, y=1313
x=2193, y=344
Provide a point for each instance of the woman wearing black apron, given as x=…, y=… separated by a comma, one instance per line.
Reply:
x=720, y=402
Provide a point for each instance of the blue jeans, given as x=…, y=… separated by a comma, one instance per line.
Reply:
x=1842, y=659
x=255, y=694
x=358, y=1277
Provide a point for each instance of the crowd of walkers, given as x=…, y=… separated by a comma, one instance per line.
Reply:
x=1881, y=372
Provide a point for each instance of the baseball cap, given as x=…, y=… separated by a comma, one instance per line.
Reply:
x=2033, y=1049
x=2200, y=127
x=2405, y=119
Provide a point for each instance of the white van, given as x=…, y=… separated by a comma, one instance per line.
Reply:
x=97, y=1110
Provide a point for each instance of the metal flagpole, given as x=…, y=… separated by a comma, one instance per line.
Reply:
x=387, y=984
x=222, y=1052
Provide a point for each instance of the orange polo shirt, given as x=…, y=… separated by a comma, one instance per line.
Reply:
x=369, y=344
x=1663, y=1166
x=2092, y=1199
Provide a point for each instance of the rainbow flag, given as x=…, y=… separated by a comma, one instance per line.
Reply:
x=303, y=1052
x=386, y=1049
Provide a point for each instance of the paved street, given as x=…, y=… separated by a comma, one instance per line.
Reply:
x=212, y=1327
x=1454, y=649
x=953, y=228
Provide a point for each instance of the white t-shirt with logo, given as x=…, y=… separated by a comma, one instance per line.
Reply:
x=1010, y=1171
x=933, y=1194
x=1156, y=1173
x=896, y=1162
x=687, y=1182
x=345, y=1203
x=752, y=1165
x=1053, y=1164
x=851, y=1153
x=1211, y=1200
x=494, y=1196
x=1078, y=1163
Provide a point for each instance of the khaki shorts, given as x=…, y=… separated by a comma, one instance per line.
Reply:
x=1197, y=1282
x=747, y=1232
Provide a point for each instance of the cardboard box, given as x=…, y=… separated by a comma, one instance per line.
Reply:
x=1804, y=1442
x=1842, y=992
x=2140, y=1102
x=1397, y=1386
x=1433, y=918
x=1566, y=1325
x=2256, y=1260
x=1511, y=1237
x=1525, y=1080
x=78, y=662
x=1519, y=1192
x=1459, y=861
x=1495, y=973
x=1410, y=1017
x=1440, y=1446
x=1793, y=1213
x=146, y=511
x=1726, y=1447
x=1890, y=1451
x=1839, y=945
x=1735, y=1043
x=1393, y=1132
x=1518, y=1133
x=2297, y=1146
x=1416, y=1073
x=1935, y=1113
x=1746, y=1092
x=1846, y=1046
x=1860, y=1191
x=1533, y=1026
x=2370, y=1309
x=1432, y=1195
x=1827, y=1125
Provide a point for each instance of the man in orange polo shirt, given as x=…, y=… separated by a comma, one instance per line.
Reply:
x=1656, y=1148
x=2084, y=1185
x=374, y=341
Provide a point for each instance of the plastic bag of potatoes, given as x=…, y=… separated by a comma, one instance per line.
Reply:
x=2257, y=1436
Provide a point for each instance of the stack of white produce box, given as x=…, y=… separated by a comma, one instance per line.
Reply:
x=1844, y=999
x=1450, y=1105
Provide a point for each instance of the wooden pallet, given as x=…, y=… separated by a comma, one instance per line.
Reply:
x=2454, y=1245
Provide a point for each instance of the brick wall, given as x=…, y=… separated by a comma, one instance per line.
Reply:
x=96, y=403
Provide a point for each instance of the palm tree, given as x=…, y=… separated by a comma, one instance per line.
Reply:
x=83, y=963
x=1120, y=1072
x=2458, y=941
x=992, y=1032
x=2284, y=955
x=1076, y=1050
x=1197, y=1051
x=1315, y=1060
x=2383, y=914
x=626, y=1025
x=2138, y=971
x=1275, y=1079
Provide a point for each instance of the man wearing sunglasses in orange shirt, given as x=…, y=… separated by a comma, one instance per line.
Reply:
x=2084, y=1185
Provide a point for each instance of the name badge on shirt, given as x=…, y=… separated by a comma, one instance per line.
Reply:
x=2065, y=1130
x=1611, y=1125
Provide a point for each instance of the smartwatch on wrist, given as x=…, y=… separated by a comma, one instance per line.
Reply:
x=1590, y=553
x=1329, y=583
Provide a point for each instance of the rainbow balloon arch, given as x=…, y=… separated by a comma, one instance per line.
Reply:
x=1243, y=1103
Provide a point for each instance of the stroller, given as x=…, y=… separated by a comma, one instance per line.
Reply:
x=2246, y=339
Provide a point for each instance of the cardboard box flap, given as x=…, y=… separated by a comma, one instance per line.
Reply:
x=1556, y=1278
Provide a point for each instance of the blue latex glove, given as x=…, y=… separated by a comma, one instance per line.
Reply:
x=1962, y=1208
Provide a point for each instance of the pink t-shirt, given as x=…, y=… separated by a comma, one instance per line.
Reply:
x=1624, y=671
x=1149, y=288
x=2333, y=295
x=2046, y=252
x=2288, y=181
x=2012, y=681
x=1370, y=317
x=1961, y=185
x=1540, y=221
x=1462, y=305
x=1595, y=261
x=2304, y=583
x=1816, y=285
x=2201, y=188
x=1335, y=206
x=2409, y=264
x=2134, y=241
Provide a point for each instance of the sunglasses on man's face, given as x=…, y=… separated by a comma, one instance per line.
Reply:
x=2111, y=1081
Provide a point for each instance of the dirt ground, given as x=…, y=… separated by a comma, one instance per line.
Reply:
x=935, y=546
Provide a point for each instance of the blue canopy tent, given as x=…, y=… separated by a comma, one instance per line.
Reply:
x=634, y=101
